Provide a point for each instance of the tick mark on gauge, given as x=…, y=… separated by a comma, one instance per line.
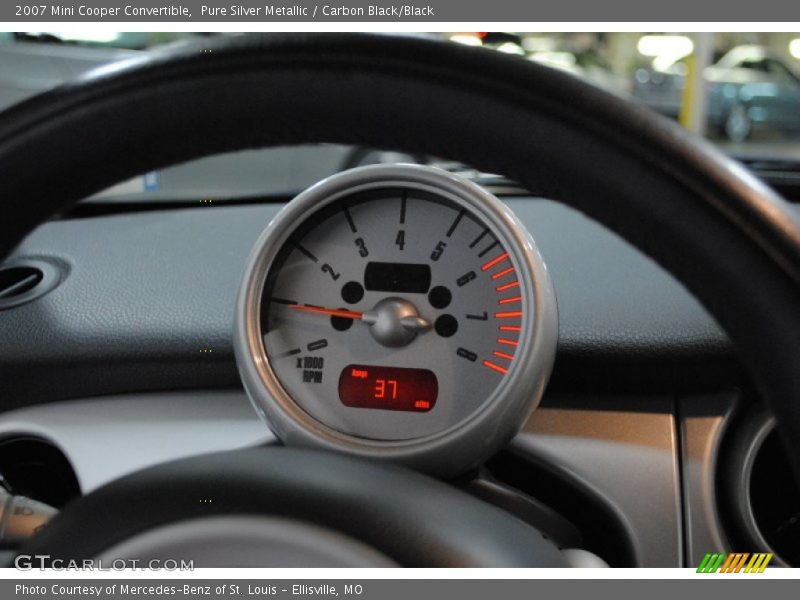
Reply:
x=455, y=223
x=305, y=251
x=507, y=286
x=494, y=367
x=477, y=240
x=349, y=218
x=494, y=261
x=503, y=273
x=291, y=352
x=508, y=315
x=487, y=249
x=403, y=208
x=283, y=301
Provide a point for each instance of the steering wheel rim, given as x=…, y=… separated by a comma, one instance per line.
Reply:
x=719, y=230
x=408, y=517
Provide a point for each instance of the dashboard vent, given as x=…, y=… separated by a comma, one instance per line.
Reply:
x=18, y=280
x=33, y=467
x=775, y=499
x=23, y=282
x=759, y=499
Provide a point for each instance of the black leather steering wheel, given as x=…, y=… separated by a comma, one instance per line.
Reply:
x=731, y=240
x=412, y=519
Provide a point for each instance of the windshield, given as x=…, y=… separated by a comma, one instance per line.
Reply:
x=740, y=90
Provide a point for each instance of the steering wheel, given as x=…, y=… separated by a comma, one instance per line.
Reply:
x=727, y=237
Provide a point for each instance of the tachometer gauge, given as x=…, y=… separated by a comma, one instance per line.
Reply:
x=400, y=312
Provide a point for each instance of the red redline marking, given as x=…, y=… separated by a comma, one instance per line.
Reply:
x=510, y=300
x=503, y=273
x=503, y=355
x=507, y=342
x=510, y=328
x=498, y=368
x=508, y=315
x=494, y=261
x=507, y=286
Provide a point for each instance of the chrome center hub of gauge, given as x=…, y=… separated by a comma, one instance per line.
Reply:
x=397, y=312
x=395, y=322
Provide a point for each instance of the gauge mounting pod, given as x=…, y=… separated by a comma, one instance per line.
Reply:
x=397, y=312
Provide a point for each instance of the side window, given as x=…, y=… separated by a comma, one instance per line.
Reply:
x=780, y=71
x=755, y=65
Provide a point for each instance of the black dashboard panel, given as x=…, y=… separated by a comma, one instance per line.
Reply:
x=147, y=303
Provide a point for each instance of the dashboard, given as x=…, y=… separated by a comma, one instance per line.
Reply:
x=151, y=297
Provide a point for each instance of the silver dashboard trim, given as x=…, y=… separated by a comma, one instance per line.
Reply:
x=623, y=451
x=108, y=437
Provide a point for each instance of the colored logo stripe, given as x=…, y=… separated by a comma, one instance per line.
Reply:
x=734, y=563
x=758, y=563
x=721, y=562
x=710, y=563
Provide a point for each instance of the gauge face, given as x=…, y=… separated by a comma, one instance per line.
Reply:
x=396, y=311
x=392, y=313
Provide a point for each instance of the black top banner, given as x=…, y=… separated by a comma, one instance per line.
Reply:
x=473, y=11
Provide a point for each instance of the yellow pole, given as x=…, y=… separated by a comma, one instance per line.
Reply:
x=687, y=96
x=694, y=109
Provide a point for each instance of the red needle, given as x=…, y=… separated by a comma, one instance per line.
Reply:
x=333, y=312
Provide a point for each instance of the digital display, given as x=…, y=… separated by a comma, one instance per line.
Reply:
x=388, y=388
x=397, y=278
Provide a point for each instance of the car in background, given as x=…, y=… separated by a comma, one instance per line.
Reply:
x=586, y=63
x=749, y=87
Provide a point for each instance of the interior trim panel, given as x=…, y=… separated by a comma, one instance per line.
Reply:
x=623, y=449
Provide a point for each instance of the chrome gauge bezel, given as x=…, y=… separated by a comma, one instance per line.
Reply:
x=463, y=444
